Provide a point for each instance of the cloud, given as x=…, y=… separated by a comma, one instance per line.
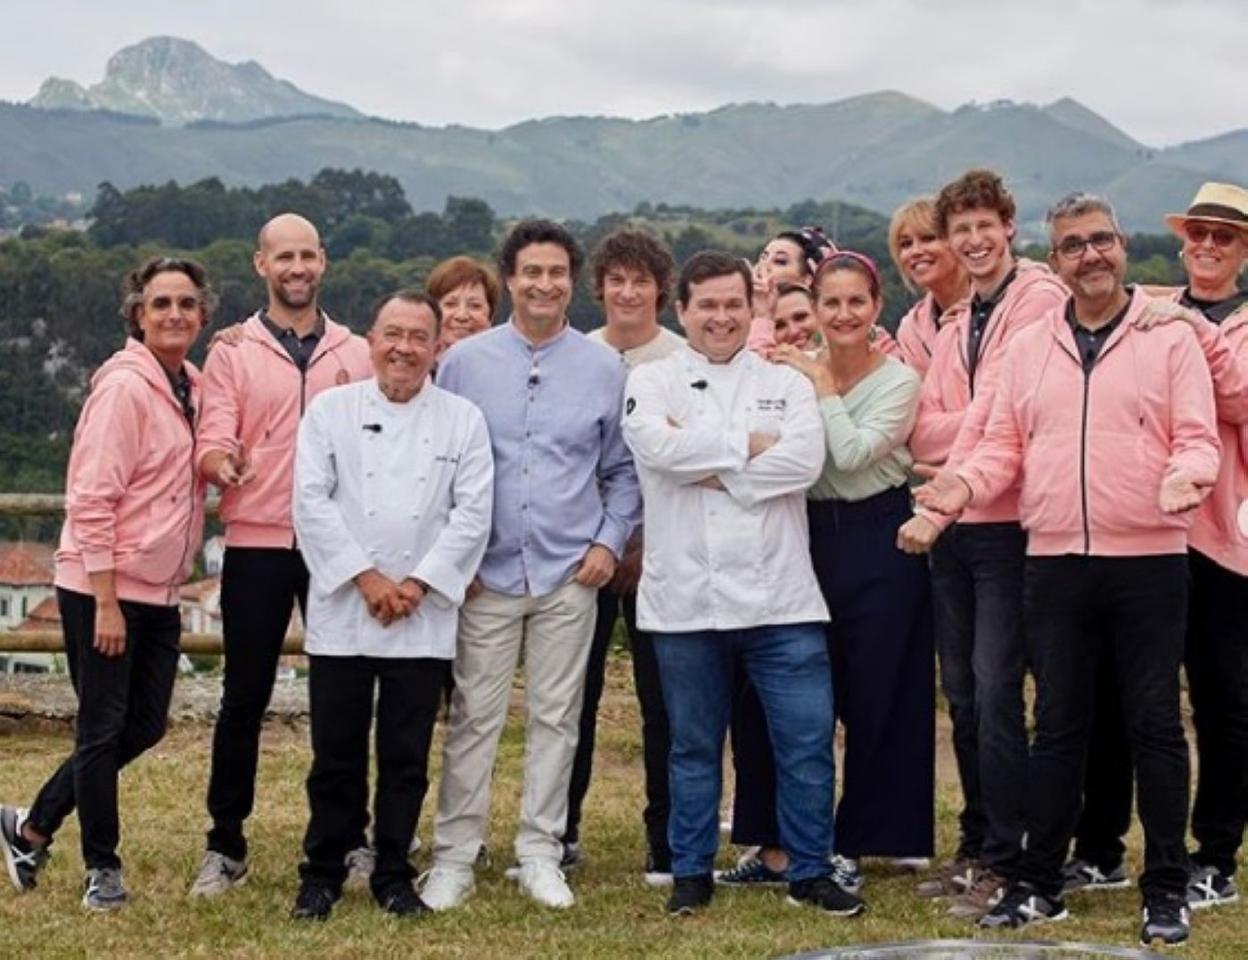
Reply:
x=1162, y=71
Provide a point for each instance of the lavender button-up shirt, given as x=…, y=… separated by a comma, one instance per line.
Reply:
x=563, y=478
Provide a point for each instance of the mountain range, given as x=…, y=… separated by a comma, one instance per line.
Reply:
x=167, y=109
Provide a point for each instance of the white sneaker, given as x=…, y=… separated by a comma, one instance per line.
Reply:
x=447, y=886
x=542, y=881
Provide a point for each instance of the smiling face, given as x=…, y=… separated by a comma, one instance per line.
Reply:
x=630, y=297
x=1214, y=254
x=1093, y=275
x=794, y=319
x=291, y=261
x=403, y=344
x=465, y=312
x=170, y=316
x=717, y=317
x=541, y=287
x=845, y=308
x=980, y=239
x=925, y=257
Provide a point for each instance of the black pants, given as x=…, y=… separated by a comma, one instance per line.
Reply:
x=341, y=694
x=1074, y=607
x=1217, y=676
x=259, y=588
x=123, y=707
x=977, y=592
x=1108, y=778
x=883, y=677
x=655, y=739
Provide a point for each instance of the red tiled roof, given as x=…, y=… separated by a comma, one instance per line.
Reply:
x=45, y=616
x=26, y=564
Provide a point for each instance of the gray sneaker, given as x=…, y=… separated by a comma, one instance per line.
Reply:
x=360, y=865
x=22, y=859
x=217, y=874
x=103, y=890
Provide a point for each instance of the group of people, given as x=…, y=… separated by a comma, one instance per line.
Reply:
x=445, y=499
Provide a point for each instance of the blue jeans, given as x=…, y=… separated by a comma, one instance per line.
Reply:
x=977, y=593
x=788, y=666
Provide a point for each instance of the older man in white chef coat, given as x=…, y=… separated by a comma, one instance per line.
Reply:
x=393, y=495
x=726, y=445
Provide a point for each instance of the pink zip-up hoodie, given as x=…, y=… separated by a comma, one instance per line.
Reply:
x=918, y=329
x=1215, y=531
x=134, y=500
x=950, y=420
x=254, y=396
x=1093, y=451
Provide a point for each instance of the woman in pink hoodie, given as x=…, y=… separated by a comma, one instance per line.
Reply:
x=926, y=264
x=133, y=522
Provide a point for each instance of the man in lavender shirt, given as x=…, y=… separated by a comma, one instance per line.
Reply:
x=565, y=502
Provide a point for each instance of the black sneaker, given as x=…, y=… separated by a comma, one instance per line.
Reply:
x=1082, y=874
x=1165, y=918
x=658, y=871
x=826, y=894
x=313, y=902
x=401, y=901
x=104, y=890
x=690, y=894
x=22, y=859
x=751, y=872
x=1023, y=904
x=1210, y=887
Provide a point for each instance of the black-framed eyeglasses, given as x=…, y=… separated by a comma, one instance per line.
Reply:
x=1072, y=248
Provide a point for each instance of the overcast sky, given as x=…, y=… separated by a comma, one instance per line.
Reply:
x=1165, y=71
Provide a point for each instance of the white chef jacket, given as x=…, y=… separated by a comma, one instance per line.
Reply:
x=406, y=488
x=732, y=559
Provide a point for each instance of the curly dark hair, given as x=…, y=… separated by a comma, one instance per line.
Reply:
x=636, y=250
x=528, y=232
x=974, y=190
x=136, y=282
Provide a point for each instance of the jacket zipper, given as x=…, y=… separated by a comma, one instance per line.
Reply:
x=1083, y=464
x=190, y=516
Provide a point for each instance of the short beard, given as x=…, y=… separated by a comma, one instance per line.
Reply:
x=280, y=296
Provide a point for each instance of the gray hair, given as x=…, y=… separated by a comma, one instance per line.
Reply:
x=1078, y=204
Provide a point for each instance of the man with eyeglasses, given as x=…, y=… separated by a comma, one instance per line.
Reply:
x=393, y=492
x=1214, y=231
x=255, y=392
x=565, y=503
x=1114, y=434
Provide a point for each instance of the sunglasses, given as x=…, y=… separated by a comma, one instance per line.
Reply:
x=1198, y=233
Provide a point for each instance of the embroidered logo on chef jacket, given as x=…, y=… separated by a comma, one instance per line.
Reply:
x=629, y=406
x=445, y=458
x=764, y=405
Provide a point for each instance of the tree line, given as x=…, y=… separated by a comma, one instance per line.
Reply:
x=60, y=289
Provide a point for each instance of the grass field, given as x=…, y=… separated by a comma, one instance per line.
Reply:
x=617, y=916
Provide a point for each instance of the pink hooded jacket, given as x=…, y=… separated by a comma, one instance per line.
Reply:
x=918, y=329
x=1215, y=531
x=1093, y=451
x=948, y=425
x=254, y=397
x=134, y=501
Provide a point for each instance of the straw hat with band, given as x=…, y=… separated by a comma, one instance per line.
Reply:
x=1214, y=203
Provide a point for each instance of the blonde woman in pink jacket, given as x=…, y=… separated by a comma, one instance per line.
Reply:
x=133, y=523
x=926, y=264
x=1113, y=432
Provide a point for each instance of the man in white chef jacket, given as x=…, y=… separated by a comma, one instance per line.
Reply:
x=725, y=446
x=392, y=503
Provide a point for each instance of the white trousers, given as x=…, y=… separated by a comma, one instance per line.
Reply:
x=555, y=632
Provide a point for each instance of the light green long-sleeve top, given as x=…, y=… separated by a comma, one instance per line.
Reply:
x=866, y=432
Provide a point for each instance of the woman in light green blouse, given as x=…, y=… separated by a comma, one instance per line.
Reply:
x=880, y=637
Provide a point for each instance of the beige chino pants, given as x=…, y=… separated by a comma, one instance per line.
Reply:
x=555, y=632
